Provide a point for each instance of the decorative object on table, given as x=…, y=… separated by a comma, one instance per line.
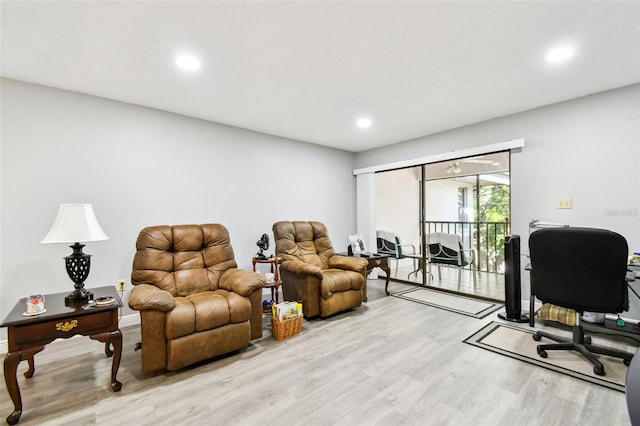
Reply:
x=263, y=244
x=269, y=277
x=286, y=319
x=105, y=300
x=76, y=223
x=357, y=243
x=35, y=305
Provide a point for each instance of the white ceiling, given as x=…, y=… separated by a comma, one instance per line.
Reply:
x=308, y=70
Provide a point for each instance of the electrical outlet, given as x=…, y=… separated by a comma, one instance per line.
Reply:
x=122, y=285
x=564, y=203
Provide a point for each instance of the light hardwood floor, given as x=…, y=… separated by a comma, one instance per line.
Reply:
x=389, y=362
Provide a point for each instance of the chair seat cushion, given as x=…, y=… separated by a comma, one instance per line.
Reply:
x=206, y=310
x=338, y=280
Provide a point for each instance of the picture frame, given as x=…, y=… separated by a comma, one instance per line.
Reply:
x=357, y=243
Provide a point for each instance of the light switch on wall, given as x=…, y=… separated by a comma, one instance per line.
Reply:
x=564, y=203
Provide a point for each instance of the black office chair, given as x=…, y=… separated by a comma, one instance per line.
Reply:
x=582, y=269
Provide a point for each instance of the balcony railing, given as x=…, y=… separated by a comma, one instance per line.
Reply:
x=486, y=238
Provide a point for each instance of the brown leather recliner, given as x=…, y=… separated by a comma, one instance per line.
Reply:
x=312, y=273
x=194, y=302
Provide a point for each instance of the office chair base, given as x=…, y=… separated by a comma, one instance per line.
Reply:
x=581, y=344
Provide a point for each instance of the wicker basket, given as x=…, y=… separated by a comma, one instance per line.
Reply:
x=287, y=328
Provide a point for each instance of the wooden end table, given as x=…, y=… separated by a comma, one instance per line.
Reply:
x=28, y=335
x=274, y=263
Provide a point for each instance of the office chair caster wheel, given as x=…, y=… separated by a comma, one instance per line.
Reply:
x=599, y=371
x=542, y=353
x=587, y=340
x=626, y=362
x=536, y=337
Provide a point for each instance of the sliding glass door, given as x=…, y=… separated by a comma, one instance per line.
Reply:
x=463, y=202
x=397, y=215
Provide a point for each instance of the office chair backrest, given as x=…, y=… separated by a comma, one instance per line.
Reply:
x=579, y=268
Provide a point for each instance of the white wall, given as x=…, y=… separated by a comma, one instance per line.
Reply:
x=587, y=149
x=441, y=200
x=397, y=204
x=142, y=167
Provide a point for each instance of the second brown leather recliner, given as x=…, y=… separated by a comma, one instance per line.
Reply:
x=312, y=273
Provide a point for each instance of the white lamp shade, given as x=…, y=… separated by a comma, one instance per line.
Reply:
x=75, y=223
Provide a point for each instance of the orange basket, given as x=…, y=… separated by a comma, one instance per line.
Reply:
x=287, y=328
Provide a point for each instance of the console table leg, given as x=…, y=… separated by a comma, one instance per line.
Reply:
x=11, y=361
x=114, y=338
x=32, y=368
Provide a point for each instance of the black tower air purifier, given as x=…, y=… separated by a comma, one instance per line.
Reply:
x=512, y=294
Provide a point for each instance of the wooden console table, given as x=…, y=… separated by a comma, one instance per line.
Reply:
x=28, y=335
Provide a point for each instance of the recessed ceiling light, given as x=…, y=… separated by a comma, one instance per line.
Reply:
x=559, y=54
x=363, y=122
x=188, y=62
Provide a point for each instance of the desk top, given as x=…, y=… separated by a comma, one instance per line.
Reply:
x=55, y=306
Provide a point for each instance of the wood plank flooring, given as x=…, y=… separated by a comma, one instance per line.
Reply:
x=389, y=362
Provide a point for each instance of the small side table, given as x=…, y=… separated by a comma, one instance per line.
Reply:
x=375, y=260
x=274, y=263
x=28, y=335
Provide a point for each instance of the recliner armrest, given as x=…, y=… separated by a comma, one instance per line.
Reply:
x=240, y=281
x=349, y=263
x=299, y=267
x=145, y=297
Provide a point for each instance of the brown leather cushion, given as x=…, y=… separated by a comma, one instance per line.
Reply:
x=305, y=241
x=337, y=280
x=182, y=259
x=206, y=310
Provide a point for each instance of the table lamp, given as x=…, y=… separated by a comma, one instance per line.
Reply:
x=76, y=223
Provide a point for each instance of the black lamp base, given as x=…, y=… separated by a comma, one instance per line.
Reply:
x=78, y=295
x=78, y=265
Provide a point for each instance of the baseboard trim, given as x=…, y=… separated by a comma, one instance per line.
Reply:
x=125, y=321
